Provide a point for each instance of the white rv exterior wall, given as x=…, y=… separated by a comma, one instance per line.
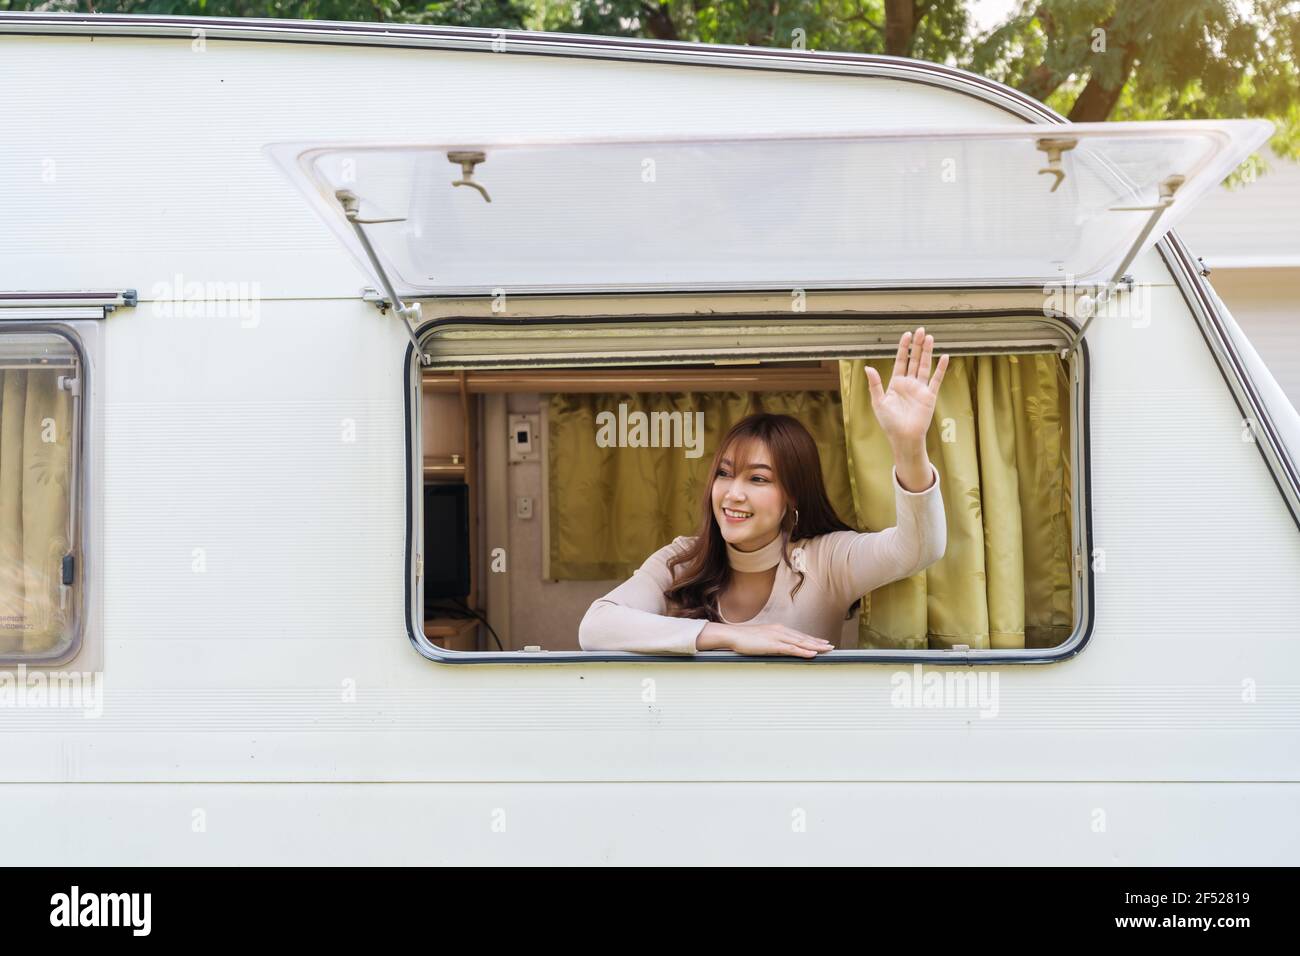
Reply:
x=1248, y=237
x=157, y=149
x=225, y=688
x=1266, y=304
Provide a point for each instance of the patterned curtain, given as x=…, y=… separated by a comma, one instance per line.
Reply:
x=1001, y=441
x=35, y=433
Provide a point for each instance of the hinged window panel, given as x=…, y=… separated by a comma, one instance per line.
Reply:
x=984, y=206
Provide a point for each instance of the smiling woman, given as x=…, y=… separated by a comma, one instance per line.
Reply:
x=767, y=493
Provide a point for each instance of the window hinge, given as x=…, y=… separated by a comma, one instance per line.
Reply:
x=1078, y=563
x=69, y=569
x=1089, y=305
x=419, y=565
x=70, y=383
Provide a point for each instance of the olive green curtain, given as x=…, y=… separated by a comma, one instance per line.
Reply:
x=35, y=435
x=610, y=508
x=1001, y=441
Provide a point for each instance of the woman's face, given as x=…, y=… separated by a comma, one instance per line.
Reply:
x=748, y=503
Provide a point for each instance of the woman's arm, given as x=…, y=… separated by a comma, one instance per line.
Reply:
x=634, y=616
x=852, y=564
x=912, y=468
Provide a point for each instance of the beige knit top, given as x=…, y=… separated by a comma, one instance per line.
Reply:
x=838, y=568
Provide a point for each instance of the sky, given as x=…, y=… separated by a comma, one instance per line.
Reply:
x=986, y=14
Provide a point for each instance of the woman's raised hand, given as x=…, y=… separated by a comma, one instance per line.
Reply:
x=905, y=410
x=760, y=639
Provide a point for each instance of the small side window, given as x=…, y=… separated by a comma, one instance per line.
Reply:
x=40, y=412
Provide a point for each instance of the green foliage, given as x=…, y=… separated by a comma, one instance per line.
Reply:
x=1173, y=59
x=1089, y=59
x=508, y=14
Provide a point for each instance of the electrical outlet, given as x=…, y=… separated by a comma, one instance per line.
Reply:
x=525, y=440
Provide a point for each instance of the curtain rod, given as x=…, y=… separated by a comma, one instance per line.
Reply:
x=610, y=380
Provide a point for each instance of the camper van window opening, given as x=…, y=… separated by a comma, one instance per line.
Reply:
x=40, y=395
x=1008, y=371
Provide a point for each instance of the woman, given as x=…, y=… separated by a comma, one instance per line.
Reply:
x=737, y=585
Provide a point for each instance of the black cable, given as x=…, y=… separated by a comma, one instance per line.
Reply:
x=476, y=614
x=462, y=613
x=455, y=612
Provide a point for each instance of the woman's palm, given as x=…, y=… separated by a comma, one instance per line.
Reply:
x=906, y=408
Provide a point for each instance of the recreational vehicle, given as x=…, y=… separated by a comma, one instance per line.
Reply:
x=345, y=365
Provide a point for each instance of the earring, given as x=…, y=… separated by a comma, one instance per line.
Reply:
x=796, y=519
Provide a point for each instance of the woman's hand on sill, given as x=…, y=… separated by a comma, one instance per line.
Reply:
x=760, y=639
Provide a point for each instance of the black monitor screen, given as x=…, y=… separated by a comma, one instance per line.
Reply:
x=446, y=540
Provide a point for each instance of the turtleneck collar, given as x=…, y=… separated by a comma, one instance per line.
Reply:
x=768, y=556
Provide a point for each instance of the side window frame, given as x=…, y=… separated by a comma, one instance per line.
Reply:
x=82, y=329
x=1078, y=367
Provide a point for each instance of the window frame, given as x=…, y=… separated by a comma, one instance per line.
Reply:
x=1078, y=366
x=67, y=325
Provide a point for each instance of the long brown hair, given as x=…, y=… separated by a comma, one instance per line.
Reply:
x=798, y=473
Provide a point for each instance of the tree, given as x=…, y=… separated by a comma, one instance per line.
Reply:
x=1091, y=60
x=1097, y=60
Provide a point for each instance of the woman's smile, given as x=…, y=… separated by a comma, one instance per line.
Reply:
x=748, y=502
